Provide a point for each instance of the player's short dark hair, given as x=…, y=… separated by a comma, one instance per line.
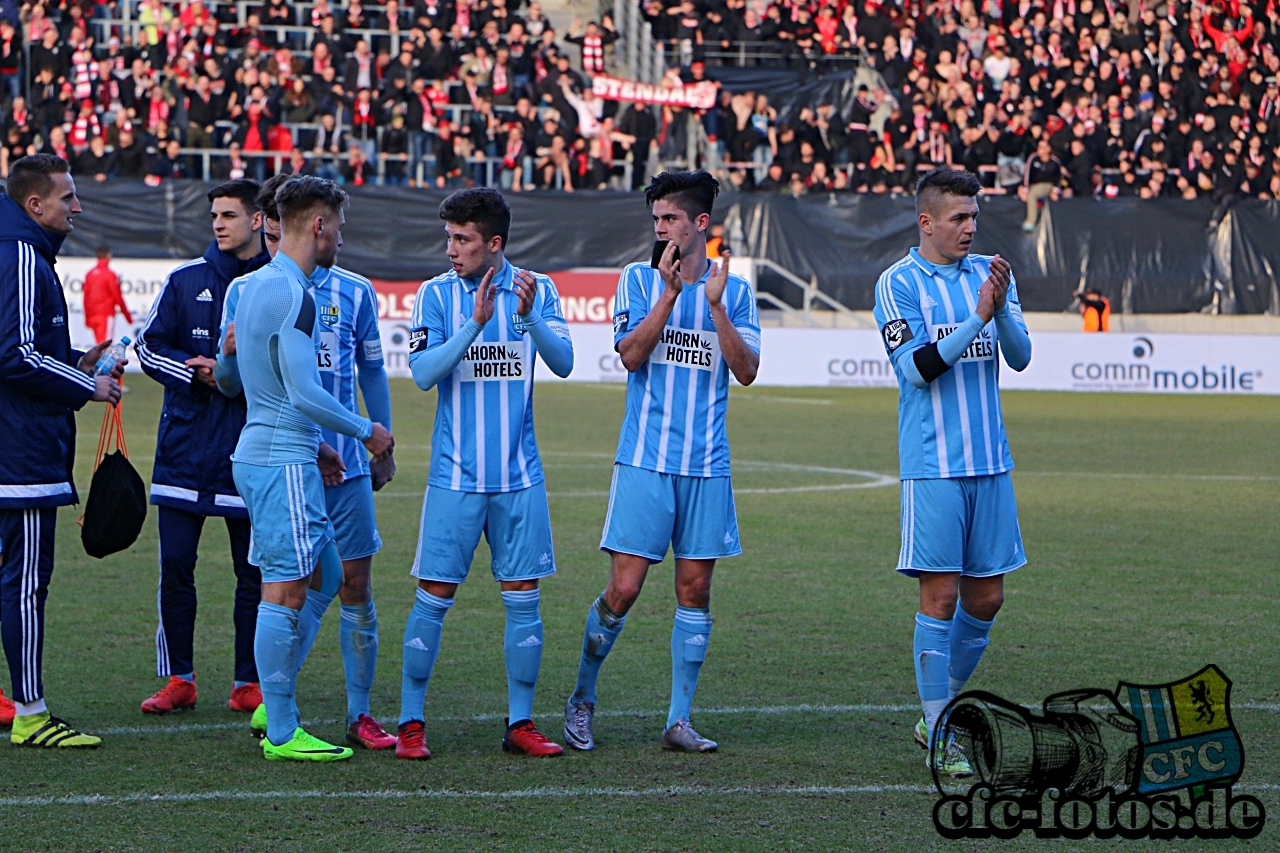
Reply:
x=33, y=175
x=939, y=182
x=102, y=251
x=266, y=200
x=303, y=193
x=482, y=205
x=243, y=189
x=693, y=192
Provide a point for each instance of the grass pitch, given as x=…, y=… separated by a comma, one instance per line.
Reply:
x=1150, y=523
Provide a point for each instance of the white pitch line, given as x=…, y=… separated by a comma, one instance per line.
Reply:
x=1104, y=475
x=765, y=710
x=761, y=710
x=518, y=794
x=804, y=401
x=874, y=479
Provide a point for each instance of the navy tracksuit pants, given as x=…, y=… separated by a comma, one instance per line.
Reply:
x=26, y=546
x=179, y=539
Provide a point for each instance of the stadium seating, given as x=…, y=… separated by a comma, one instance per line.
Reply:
x=1150, y=100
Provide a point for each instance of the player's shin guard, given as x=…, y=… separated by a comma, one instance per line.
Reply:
x=276, y=649
x=421, y=647
x=689, y=637
x=969, y=638
x=358, y=639
x=603, y=628
x=522, y=647
x=932, y=652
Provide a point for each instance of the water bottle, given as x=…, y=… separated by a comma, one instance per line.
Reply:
x=111, y=356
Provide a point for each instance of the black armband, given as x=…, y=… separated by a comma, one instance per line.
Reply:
x=929, y=362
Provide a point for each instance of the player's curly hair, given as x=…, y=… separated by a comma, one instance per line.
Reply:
x=936, y=183
x=692, y=192
x=482, y=205
x=301, y=194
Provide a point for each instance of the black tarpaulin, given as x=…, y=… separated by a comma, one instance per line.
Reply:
x=1146, y=256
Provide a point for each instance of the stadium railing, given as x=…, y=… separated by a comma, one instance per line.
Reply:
x=484, y=171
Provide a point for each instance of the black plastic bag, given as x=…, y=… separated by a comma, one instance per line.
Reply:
x=116, y=508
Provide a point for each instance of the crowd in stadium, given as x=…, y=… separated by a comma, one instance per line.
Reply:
x=1063, y=97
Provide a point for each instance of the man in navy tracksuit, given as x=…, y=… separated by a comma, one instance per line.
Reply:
x=199, y=427
x=43, y=382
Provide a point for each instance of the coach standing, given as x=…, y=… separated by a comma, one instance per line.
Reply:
x=199, y=427
x=43, y=382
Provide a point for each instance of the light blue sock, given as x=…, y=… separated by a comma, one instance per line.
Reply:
x=932, y=653
x=421, y=647
x=522, y=647
x=239, y=684
x=190, y=676
x=969, y=638
x=318, y=600
x=309, y=622
x=603, y=628
x=358, y=638
x=275, y=650
x=689, y=637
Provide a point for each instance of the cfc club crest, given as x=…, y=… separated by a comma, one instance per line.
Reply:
x=1186, y=733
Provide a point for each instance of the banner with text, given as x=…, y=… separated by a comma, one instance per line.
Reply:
x=1061, y=361
x=699, y=96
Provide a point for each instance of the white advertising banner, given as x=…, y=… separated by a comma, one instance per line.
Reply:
x=140, y=282
x=798, y=357
x=1189, y=364
x=1061, y=361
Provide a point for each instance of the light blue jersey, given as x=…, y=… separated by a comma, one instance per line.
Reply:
x=677, y=400
x=348, y=337
x=484, y=439
x=277, y=333
x=953, y=427
x=347, y=310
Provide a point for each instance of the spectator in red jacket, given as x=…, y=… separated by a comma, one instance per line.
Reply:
x=102, y=297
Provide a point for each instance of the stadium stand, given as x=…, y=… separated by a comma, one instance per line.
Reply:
x=1152, y=100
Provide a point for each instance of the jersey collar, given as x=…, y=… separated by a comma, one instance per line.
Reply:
x=289, y=266
x=966, y=263
x=703, y=280
x=320, y=276
x=502, y=279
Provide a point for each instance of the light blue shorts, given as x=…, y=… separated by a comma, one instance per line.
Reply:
x=966, y=524
x=517, y=526
x=649, y=511
x=355, y=522
x=290, y=522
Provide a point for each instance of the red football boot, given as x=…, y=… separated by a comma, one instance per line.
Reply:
x=367, y=732
x=412, y=742
x=177, y=695
x=523, y=737
x=6, y=710
x=245, y=698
